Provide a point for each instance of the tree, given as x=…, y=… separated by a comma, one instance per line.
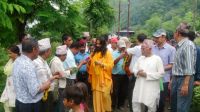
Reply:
x=98, y=14
x=51, y=21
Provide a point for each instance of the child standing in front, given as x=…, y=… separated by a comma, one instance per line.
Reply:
x=73, y=97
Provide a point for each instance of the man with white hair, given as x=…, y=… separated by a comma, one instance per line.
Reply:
x=44, y=73
x=148, y=70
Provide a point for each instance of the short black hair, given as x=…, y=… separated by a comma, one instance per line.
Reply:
x=141, y=37
x=14, y=49
x=29, y=44
x=105, y=36
x=73, y=93
x=65, y=37
x=191, y=35
x=22, y=36
x=75, y=45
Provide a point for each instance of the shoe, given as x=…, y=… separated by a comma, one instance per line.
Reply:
x=121, y=108
x=169, y=108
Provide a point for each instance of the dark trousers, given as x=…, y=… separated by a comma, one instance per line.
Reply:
x=49, y=105
x=82, y=77
x=163, y=95
x=70, y=82
x=28, y=107
x=130, y=91
x=61, y=98
x=120, y=90
x=180, y=103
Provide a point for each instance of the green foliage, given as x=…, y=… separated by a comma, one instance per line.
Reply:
x=6, y=9
x=196, y=99
x=3, y=61
x=148, y=15
x=197, y=41
x=99, y=15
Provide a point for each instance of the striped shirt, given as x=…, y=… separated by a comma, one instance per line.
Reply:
x=185, y=58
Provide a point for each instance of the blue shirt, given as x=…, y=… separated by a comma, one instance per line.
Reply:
x=166, y=53
x=80, y=57
x=26, y=83
x=118, y=68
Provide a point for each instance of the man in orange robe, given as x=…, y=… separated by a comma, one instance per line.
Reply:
x=100, y=70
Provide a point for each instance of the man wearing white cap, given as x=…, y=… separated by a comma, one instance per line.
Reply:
x=29, y=90
x=86, y=36
x=44, y=73
x=119, y=77
x=56, y=65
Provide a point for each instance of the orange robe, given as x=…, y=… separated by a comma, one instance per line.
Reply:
x=100, y=78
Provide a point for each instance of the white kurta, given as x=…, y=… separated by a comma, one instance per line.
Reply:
x=43, y=71
x=147, y=89
x=56, y=65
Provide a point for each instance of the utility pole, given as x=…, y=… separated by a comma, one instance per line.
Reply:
x=194, y=14
x=119, y=17
x=129, y=3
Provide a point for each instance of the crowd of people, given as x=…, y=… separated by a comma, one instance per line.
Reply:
x=101, y=74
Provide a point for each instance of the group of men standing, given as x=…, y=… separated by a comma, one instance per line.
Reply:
x=159, y=69
x=155, y=69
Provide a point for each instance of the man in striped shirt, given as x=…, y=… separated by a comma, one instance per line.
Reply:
x=183, y=70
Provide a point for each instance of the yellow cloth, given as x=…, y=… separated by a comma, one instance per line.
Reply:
x=8, y=68
x=100, y=78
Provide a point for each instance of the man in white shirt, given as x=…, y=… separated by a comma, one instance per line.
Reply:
x=29, y=90
x=148, y=70
x=135, y=53
x=70, y=63
x=44, y=73
x=56, y=65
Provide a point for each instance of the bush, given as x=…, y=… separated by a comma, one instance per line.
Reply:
x=3, y=61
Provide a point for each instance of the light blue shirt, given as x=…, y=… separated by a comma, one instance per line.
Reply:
x=25, y=80
x=166, y=53
x=118, y=68
x=70, y=63
x=80, y=57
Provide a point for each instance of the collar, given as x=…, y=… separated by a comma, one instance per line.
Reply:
x=82, y=53
x=163, y=47
x=182, y=41
x=41, y=59
x=26, y=57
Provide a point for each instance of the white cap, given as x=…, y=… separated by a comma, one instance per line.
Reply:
x=159, y=33
x=61, y=50
x=121, y=43
x=44, y=44
x=86, y=34
x=125, y=39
